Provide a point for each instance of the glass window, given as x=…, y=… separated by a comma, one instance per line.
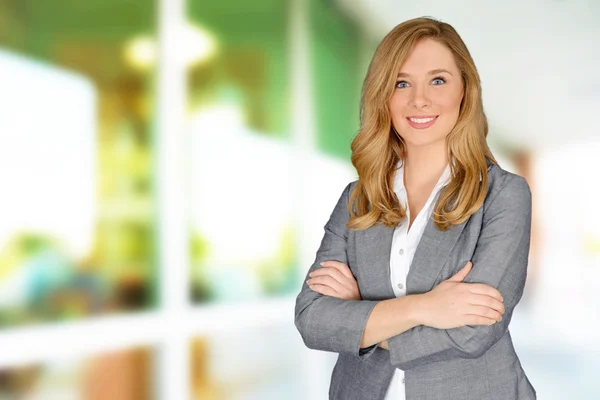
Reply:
x=75, y=161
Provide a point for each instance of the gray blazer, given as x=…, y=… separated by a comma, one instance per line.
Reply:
x=465, y=363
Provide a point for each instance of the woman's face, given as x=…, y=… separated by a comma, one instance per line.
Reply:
x=426, y=100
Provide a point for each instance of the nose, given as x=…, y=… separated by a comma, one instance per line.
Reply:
x=419, y=97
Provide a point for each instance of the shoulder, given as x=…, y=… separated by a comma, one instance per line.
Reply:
x=340, y=212
x=345, y=196
x=351, y=186
x=507, y=190
x=349, y=190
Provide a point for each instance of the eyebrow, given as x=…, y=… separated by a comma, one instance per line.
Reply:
x=432, y=72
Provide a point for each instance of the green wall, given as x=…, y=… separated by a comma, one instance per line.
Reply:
x=336, y=65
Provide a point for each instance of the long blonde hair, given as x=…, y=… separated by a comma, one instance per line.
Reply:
x=377, y=148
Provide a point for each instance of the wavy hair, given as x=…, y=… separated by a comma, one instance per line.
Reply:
x=377, y=148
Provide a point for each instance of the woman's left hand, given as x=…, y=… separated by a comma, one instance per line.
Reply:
x=334, y=279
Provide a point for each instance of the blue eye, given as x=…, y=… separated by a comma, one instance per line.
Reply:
x=436, y=82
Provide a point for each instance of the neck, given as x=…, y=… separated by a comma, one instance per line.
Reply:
x=422, y=165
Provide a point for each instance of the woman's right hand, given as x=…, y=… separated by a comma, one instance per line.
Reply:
x=453, y=303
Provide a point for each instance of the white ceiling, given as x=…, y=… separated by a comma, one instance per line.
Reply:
x=539, y=61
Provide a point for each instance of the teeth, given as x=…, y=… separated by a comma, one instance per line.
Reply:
x=421, y=120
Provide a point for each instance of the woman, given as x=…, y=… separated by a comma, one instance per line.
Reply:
x=424, y=257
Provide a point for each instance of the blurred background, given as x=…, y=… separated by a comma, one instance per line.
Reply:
x=167, y=168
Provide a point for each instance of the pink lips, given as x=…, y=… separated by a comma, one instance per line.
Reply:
x=425, y=125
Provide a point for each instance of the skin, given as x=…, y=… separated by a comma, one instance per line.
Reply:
x=429, y=83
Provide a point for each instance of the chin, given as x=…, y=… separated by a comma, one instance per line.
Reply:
x=422, y=138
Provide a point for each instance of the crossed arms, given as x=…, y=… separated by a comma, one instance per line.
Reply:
x=500, y=260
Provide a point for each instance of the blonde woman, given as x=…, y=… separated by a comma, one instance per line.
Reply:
x=424, y=257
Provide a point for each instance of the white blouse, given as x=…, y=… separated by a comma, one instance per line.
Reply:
x=404, y=245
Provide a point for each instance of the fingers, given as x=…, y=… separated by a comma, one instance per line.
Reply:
x=471, y=319
x=340, y=266
x=332, y=272
x=460, y=275
x=482, y=288
x=328, y=281
x=487, y=301
x=324, y=289
x=334, y=279
x=487, y=312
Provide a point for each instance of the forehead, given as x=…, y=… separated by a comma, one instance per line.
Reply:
x=427, y=55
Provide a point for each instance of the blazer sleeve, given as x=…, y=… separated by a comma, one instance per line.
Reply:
x=500, y=260
x=324, y=322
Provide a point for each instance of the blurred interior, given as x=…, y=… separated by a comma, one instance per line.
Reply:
x=263, y=128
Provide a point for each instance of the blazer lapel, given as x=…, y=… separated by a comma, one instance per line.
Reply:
x=374, y=245
x=430, y=256
x=429, y=259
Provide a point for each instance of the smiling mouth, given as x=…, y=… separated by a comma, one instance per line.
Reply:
x=422, y=122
